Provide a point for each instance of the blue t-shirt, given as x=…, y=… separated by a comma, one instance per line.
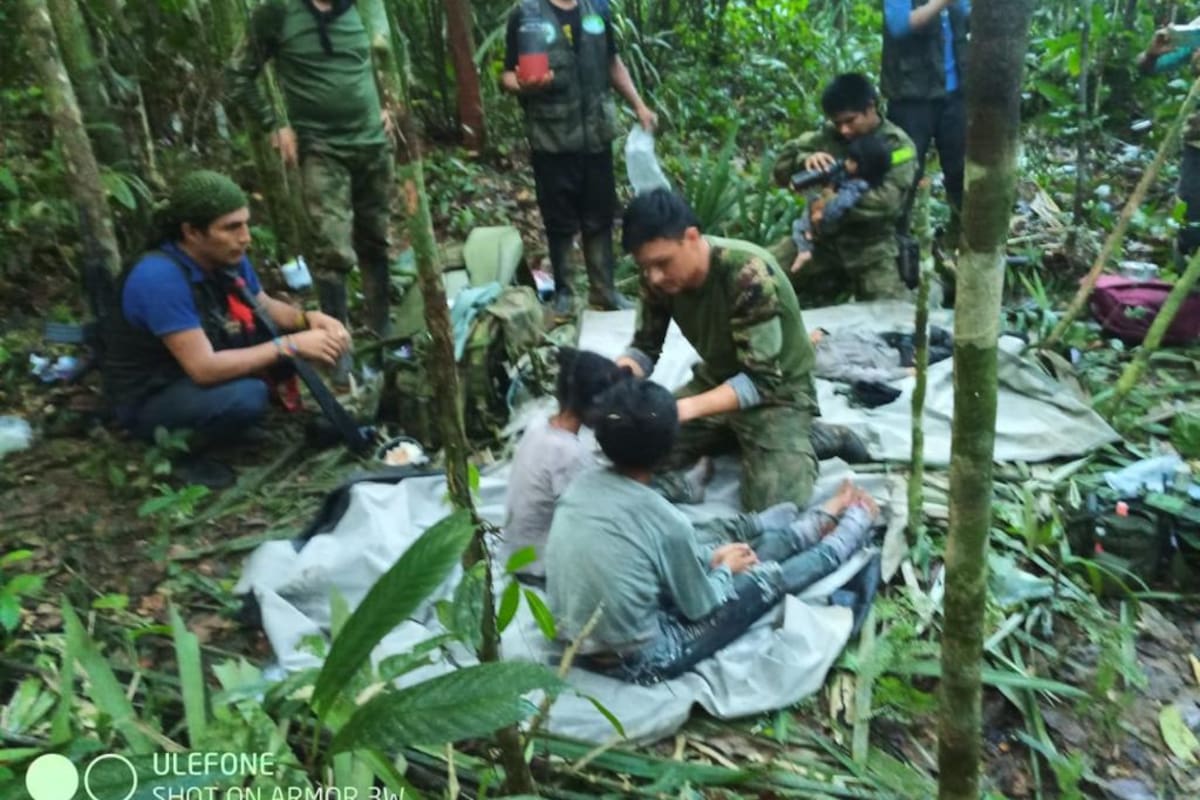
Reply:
x=158, y=297
x=895, y=17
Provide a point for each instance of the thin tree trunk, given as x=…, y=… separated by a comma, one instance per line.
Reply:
x=1084, y=125
x=78, y=56
x=462, y=52
x=1162, y=321
x=443, y=374
x=1132, y=205
x=1130, y=15
x=916, y=478
x=82, y=170
x=999, y=41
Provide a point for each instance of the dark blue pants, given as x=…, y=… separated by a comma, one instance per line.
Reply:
x=213, y=413
x=1189, y=192
x=942, y=122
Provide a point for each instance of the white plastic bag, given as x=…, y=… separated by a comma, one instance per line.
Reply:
x=645, y=175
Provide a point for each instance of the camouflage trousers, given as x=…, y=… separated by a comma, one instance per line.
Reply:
x=777, y=459
x=870, y=274
x=347, y=194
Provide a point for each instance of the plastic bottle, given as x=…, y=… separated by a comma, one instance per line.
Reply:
x=533, y=54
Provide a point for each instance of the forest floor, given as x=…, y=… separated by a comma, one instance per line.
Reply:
x=1079, y=686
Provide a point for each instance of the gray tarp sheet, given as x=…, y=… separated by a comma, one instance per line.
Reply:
x=783, y=659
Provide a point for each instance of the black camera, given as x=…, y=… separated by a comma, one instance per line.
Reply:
x=809, y=178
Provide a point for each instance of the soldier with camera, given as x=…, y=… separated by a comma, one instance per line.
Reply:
x=860, y=251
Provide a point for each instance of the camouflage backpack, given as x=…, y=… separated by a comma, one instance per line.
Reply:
x=501, y=336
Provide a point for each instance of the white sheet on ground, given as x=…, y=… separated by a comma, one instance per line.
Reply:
x=1037, y=419
x=784, y=658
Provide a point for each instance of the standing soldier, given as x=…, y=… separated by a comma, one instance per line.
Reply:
x=571, y=122
x=338, y=132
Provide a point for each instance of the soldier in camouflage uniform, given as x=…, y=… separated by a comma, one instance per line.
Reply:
x=859, y=253
x=753, y=390
x=337, y=130
x=1160, y=57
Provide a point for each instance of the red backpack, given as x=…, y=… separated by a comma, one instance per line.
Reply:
x=1125, y=307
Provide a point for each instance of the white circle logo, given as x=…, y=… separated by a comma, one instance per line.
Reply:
x=52, y=777
x=87, y=774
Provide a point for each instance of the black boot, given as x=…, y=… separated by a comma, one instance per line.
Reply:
x=376, y=286
x=598, y=256
x=560, y=264
x=837, y=440
x=331, y=294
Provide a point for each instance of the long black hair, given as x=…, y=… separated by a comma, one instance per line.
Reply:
x=582, y=377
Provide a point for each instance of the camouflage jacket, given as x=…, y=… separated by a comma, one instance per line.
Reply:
x=867, y=232
x=744, y=320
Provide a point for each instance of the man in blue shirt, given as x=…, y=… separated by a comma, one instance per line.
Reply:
x=925, y=46
x=184, y=352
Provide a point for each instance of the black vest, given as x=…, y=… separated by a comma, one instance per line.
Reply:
x=575, y=114
x=914, y=66
x=136, y=362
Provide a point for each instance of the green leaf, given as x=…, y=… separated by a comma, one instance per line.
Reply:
x=191, y=679
x=13, y=557
x=10, y=612
x=1176, y=734
x=24, y=584
x=8, y=182
x=463, y=704
x=106, y=691
x=119, y=190
x=62, y=728
x=608, y=715
x=541, y=615
x=508, y=605
x=522, y=558
x=395, y=596
x=111, y=601
x=473, y=478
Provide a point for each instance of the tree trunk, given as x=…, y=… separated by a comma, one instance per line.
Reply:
x=916, y=475
x=1082, y=116
x=443, y=374
x=462, y=52
x=999, y=40
x=80, y=60
x=1130, y=15
x=82, y=170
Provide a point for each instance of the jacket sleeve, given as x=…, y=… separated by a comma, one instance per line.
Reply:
x=257, y=47
x=692, y=587
x=793, y=154
x=885, y=202
x=650, y=329
x=756, y=326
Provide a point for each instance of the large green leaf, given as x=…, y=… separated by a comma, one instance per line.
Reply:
x=463, y=704
x=395, y=596
x=106, y=692
x=191, y=679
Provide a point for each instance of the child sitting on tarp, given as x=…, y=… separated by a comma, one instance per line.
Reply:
x=868, y=159
x=663, y=602
x=550, y=455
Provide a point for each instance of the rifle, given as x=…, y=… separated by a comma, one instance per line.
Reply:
x=357, y=438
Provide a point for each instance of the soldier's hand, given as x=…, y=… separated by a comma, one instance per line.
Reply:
x=634, y=367
x=284, y=140
x=802, y=258
x=317, y=345
x=646, y=118
x=536, y=84
x=821, y=161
